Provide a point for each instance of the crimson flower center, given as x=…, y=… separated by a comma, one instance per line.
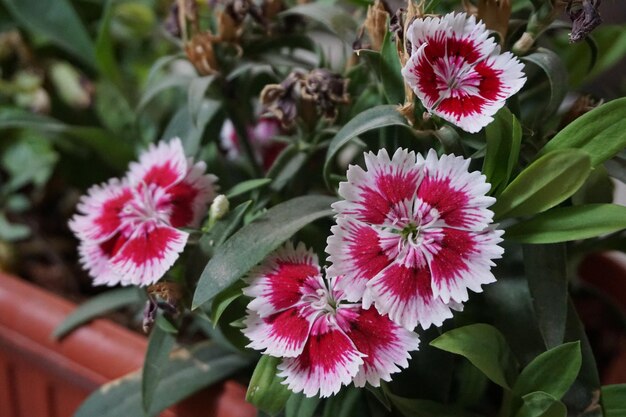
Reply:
x=147, y=209
x=455, y=77
x=321, y=301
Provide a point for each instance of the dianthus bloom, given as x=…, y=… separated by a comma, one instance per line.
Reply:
x=457, y=71
x=413, y=235
x=325, y=342
x=262, y=140
x=128, y=228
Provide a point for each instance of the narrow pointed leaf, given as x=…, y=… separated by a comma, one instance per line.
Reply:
x=332, y=17
x=555, y=70
x=247, y=186
x=541, y=404
x=96, y=307
x=484, y=346
x=546, y=271
x=410, y=407
x=58, y=22
x=552, y=372
x=601, y=132
x=374, y=118
x=160, y=345
x=390, y=71
x=543, y=184
x=566, y=224
x=614, y=400
x=300, y=406
x=187, y=371
x=504, y=136
x=252, y=243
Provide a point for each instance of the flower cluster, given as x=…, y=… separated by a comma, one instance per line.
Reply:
x=326, y=342
x=128, y=228
x=457, y=71
x=413, y=235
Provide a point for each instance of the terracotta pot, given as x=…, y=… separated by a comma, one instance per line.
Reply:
x=606, y=273
x=40, y=377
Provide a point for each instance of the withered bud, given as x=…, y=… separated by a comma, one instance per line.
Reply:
x=227, y=28
x=495, y=14
x=282, y=99
x=376, y=24
x=200, y=52
x=585, y=18
x=470, y=8
x=326, y=89
x=149, y=315
x=167, y=295
x=396, y=25
x=181, y=14
x=271, y=8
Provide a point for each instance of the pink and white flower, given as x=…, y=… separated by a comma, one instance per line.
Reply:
x=262, y=140
x=325, y=342
x=128, y=229
x=457, y=70
x=413, y=235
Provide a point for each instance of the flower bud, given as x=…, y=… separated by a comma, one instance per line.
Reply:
x=219, y=207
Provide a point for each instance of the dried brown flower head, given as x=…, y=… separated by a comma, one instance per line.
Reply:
x=282, y=99
x=326, y=89
x=585, y=17
x=376, y=23
x=200, y=52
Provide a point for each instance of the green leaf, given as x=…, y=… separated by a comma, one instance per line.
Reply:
x=247, y=186
x=265, y=390
x=509, y=304
x=165, y=83
x=614, y=400
x=58, y=22
x=546, y=272
x=601, y=132
x=333, y=18
x=187, y=371
x=582, y=395
x=344, y=404
x=286, y=166
x=390, y=71
x=450, y=140
x=252, y=243
x=504, y=137
x=104, y=49
x=565, y=224
x=552, y=372
x=96, y=307
x=484, y=346
x=374, y=118
x=32, y=151
x=555, y=70
x=611, y=45
x=410, y=407
x=197, y=90
x=160, y=345
x=541, y=404
x=225, y=227
x=11, y=232
x=543, y=184
x=113, y=150
x=300, y=406
x=224, y=299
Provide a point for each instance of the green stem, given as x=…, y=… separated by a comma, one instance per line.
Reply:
x=242, y=134
x=505, y=407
